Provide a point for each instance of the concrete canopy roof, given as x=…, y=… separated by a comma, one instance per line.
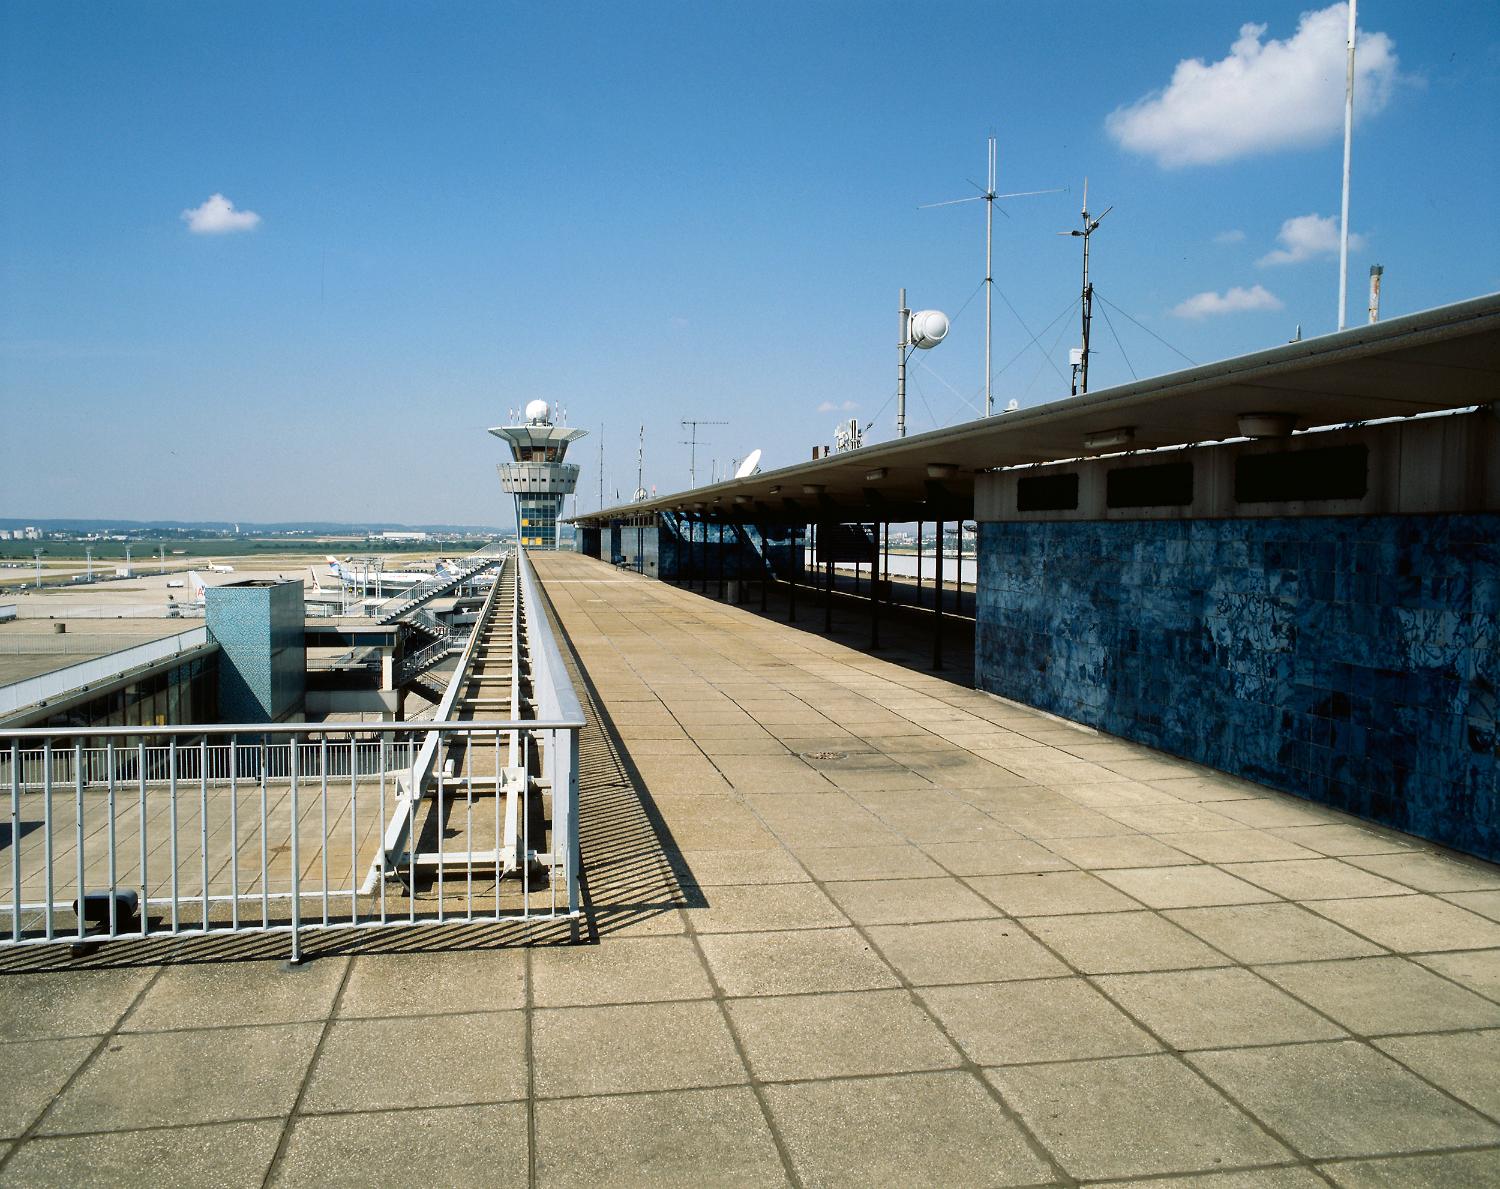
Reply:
x=1444, y=358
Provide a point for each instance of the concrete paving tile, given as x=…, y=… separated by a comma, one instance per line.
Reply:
x=427, y=1061
x=964, y=952
x=1413, y=924
x=1478, y=970
x=1118, y=850
x=874, y=1131
x=157, y=1079
x=1467, y=1065
x=1255, y=933
x=1047, y=824
x=225, y=1154
x=907, y=901
x=624, y=970
x=643, y=1046
x=1205, y=1009
x=1184, y=887
x=410, y=984
x=1239, y=846
x=1343, y=1099
x=1447, y=1170
x=1431, y=873
x=684, y=1138
x=867, y=862
x=1001, y=857
x=839, y=1035
x=1133, y=1116
x=66, y=1003
x=794, y=962
x=1315, y=879
x=1345, y=839
x=1384, y=995
x=1172, y=819
x=711, y=868
x=739, y=908
x=1257, y=1178
x=1201, y=789
x=1120, y=943
x=31, y=1074
x=1046, y=893
x=216, y=994
x=1486, y=904
x=1061, y=1019
x=1275, y=810
x=821, y=819
x=455, y=1147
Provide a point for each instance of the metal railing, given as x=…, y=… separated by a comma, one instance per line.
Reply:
x=414, y=664
x=131, y=833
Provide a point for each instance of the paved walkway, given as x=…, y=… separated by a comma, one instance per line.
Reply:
x=854, y=925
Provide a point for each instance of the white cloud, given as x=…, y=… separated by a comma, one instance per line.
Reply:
x=1233, y=236
x=218, y=216
x=1307, y=236
x=1264, y=96
x=829, y=407
x=1235, y=300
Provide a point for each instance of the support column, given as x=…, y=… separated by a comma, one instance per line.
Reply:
x=719, y=541
x=797, y=556
x=765, y=567
x=937, y=604
x=875, y=598
x=828, y=597
x=919, y=563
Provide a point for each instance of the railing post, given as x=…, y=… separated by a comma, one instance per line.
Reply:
x=296, y=861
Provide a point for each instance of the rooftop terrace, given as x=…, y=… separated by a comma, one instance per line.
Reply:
x=847, y=922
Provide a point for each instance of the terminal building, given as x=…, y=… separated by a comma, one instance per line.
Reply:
x=537, y=476
x=1285, y=566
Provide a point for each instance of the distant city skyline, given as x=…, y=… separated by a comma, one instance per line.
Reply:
x=282, y=262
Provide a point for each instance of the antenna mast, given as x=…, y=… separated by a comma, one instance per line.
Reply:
x=692, y=443
x=1081, y=357
x=640, y=463
x=601, y=466
x=988, y=196
x=1348, y=137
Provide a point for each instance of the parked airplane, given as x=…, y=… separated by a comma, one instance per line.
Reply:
x=346, y=572
x=217, y=568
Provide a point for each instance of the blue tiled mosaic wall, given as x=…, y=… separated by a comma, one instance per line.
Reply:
x=1350, y=660
x=260, y=631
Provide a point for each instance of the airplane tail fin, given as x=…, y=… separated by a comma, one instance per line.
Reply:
x=196, y=584
x=317, y=587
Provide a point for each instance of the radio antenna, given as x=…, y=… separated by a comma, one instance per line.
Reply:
x=988, y=196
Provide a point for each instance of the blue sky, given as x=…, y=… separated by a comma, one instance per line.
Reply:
x=658, y=211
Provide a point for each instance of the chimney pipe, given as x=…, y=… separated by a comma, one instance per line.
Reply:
x=1376, y=271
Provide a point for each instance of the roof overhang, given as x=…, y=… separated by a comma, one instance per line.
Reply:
x=1439, y=359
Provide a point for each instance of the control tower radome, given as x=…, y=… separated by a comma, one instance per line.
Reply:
x=537, y=475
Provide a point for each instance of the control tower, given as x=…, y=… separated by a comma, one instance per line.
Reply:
x=538, y=477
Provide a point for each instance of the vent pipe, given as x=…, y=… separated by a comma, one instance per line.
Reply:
x=1376, y=271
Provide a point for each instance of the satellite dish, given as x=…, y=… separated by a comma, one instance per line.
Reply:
x=749, y=466
x=1012, y=405
x=640, y=494
x=928, y=328
x=537, y=410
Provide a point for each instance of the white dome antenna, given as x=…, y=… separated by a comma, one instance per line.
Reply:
x=537, y=410
x=922, y=329
x=928, y=328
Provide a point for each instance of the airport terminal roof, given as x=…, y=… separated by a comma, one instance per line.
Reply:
x=1438, y=359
